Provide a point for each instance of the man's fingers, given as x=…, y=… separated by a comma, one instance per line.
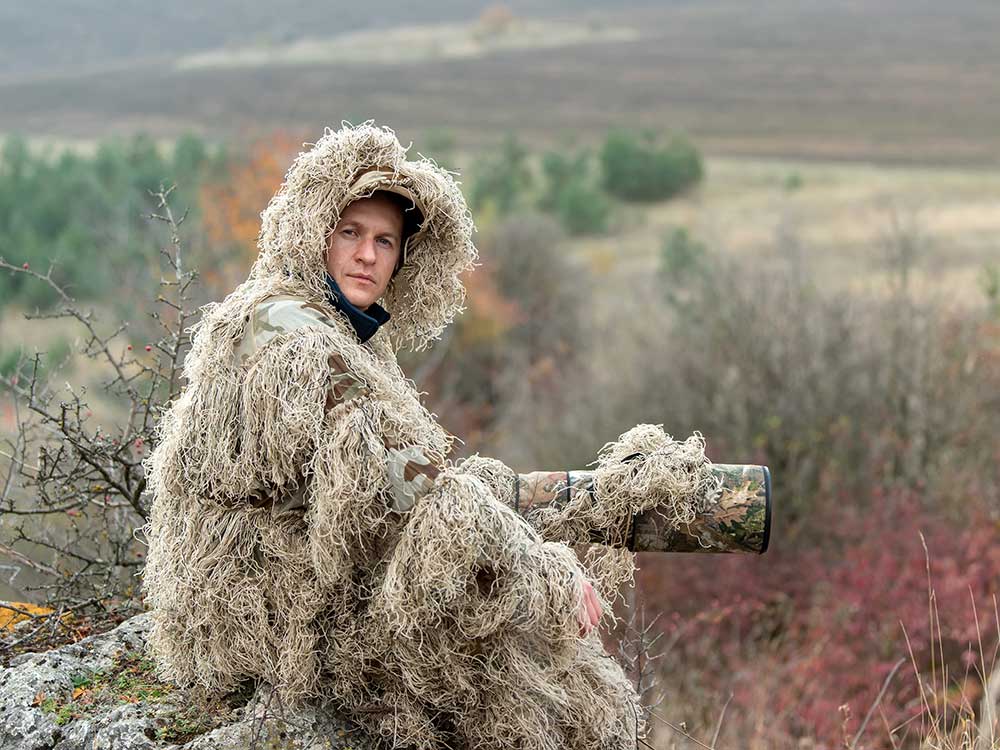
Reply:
x=588, y=600
x=593, y=607
x=596, y=610
x=590, y=611
x=582, y=613
x=583, y=610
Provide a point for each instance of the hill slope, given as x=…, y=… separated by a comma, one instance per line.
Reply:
x=890, y=81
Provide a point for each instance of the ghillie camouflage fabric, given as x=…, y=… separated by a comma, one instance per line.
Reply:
x=736, y=519
x=309, y=529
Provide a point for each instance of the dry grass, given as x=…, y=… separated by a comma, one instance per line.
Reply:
x=413, y=44
x=841, y=218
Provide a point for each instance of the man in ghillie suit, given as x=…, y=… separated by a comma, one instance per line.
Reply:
x=308, y=528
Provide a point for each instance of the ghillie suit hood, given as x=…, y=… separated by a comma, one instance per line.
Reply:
x=342, y=166
x=308, y=529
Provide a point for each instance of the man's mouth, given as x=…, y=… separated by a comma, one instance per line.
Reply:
x=362, y=277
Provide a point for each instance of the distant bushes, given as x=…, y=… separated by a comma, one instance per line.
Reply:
x=501, y=180
x=572, y=195
x=636, y=168
x=578, y=189
x=86, y=213
x=683, y=261
x=831, y=391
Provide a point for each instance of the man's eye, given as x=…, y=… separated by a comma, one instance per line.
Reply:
x=386, y=242
x=348, y=232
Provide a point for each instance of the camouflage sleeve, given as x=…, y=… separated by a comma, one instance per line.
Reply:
x=549, y=488
x=411, y=474
x=274, y=316
x=523, y=492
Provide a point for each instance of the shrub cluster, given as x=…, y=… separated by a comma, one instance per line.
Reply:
x=578, y=189
x=639, y=169
x=806, y=636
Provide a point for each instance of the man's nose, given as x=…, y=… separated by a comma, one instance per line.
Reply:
x=366, y=250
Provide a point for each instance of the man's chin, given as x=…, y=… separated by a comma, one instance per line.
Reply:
x=362, y=301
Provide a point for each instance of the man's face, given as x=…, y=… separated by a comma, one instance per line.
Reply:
x=363, y=248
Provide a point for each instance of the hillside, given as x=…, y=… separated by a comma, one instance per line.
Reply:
x=68, y=36
x=893, y=81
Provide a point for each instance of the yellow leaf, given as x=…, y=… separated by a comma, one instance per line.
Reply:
x=11, y=613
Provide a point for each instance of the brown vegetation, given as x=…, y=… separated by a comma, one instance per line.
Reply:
x=231, y=203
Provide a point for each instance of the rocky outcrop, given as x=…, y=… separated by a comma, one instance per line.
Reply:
x=102, y=694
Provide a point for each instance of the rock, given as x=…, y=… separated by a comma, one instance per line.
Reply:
x=102, y=694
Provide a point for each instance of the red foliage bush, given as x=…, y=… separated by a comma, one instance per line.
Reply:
x=811, y=630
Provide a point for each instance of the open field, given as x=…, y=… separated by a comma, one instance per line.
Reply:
x=54, y=37
x=895, y=81
x=839, y=223
x=413, y=44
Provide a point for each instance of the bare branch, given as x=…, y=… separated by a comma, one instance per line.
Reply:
x=78, y=505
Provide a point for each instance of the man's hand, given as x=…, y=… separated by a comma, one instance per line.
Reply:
x=590, y=610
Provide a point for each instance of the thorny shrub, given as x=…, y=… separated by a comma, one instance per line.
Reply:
x=73, y=490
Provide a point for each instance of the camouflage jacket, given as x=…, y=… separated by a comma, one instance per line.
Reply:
x=411, y=474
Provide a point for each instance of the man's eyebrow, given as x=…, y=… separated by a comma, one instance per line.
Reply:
x=356, y=223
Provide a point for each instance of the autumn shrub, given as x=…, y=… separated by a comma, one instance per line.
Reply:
x=230, y=206
x=830, y=390
x=522, y=332
x=800, y=633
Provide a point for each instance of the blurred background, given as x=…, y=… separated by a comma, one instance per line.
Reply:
x=776, y=223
